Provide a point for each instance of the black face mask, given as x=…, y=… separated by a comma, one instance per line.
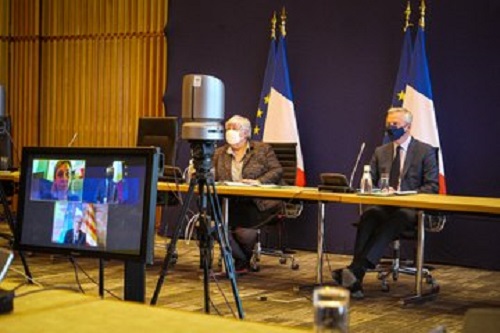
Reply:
x=394, y=132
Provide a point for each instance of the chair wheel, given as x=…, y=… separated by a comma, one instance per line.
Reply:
x=430, y=280
x=295, y=266
x=283, y=261
x=385, y=287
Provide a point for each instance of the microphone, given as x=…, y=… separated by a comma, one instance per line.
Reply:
x=361, y=149
x=73, y=139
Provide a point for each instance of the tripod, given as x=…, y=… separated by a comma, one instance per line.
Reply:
x=202, y=152
x=10, y=221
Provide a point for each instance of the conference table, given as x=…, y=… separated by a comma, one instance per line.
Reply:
x=46, y=310
x=422, y=202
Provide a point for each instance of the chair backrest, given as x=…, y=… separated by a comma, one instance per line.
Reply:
x=159, y=132
x=286, y=154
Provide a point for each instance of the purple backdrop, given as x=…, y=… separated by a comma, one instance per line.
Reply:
x=343, y=58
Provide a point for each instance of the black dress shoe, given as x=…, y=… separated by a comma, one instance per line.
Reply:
x=357, y=291
x=344, y=277
x=337, y=276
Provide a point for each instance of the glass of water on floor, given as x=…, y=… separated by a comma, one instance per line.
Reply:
x=331, y=310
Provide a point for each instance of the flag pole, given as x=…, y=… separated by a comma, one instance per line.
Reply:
x=407, y=15
x=273, y=25
x=422, y=15
x=283, y=22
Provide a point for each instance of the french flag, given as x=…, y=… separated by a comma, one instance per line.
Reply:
x=281, y=123
x=418, y=99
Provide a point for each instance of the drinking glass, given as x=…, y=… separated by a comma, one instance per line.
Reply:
x=383, y=184
x=331, y=310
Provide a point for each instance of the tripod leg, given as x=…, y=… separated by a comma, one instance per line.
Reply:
x=26, y=267
x=173, y=242
x=224, y=244
x=206, y=247
x=10, y=221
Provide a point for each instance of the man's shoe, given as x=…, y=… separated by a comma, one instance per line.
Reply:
x=357, y=291
x=344, y=277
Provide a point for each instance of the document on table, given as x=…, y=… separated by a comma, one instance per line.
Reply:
x=378, y=193
x=230, y=183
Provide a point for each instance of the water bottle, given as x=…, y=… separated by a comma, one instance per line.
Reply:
x=366, y=181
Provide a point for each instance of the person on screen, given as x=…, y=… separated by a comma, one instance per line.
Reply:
x=412, y=166
x=60, y=189
x=111, y=189
x=251, y=162
x=75, y=235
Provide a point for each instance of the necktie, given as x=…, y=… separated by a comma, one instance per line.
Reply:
x=395, y=169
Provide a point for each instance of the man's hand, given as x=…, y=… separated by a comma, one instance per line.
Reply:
x=251, y=181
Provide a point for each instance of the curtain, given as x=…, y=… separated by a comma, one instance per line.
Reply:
x=82, y=69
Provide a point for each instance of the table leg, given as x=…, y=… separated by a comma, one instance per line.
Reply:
x=419, y=296
x=321, y=241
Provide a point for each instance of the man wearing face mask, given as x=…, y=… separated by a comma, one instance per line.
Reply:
x=412, y=166
x=251, y=162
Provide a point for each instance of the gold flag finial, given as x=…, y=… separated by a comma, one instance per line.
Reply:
x=422, y=15
x=407, y=14
x=273, y=26
x=283, y=22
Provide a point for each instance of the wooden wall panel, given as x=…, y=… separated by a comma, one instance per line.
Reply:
x=103, y=90
x=23, y=78
x=91, y=67
x=4, y=42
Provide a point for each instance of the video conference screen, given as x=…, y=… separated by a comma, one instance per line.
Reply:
x=88, y=201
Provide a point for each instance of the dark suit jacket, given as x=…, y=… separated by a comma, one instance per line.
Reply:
x=259, y=163
x=420, y=169
x=69, y=237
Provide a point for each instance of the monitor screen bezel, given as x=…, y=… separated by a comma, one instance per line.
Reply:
x=149, y=154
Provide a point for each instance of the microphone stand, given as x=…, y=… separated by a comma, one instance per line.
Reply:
x=361, y=149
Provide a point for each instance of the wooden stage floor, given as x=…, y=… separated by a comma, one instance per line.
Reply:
x=273, y=296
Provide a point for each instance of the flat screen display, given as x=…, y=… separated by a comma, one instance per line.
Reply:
x=96, y=202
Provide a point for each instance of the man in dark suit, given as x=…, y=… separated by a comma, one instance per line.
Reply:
x=76, y=236
x=412, y=166
x=250, y=162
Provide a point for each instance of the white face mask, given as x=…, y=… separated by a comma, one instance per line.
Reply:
x=233, y=137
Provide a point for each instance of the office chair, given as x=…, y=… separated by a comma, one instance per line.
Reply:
x=433, y=222
x=286, y=154
x=161, y=133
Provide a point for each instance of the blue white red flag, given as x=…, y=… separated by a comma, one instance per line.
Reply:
x=418, y=99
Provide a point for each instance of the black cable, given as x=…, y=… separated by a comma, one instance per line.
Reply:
x=95, y=282
x=77, y=278
x=223, y=296
x=47, y=289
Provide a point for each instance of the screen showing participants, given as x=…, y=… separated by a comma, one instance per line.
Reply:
x=81, y=224
x=54, y=180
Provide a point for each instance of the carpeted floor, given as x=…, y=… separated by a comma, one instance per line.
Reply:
x=278, y=295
